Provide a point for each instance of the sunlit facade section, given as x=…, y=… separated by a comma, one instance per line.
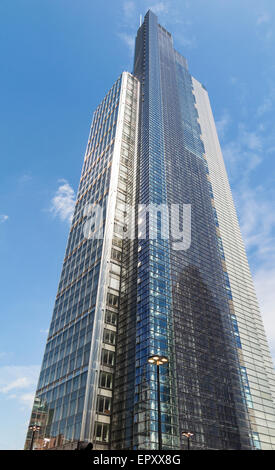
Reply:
x=255, y=359
x=74, y=394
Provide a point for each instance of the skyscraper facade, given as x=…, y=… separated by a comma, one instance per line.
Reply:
x=155, y=264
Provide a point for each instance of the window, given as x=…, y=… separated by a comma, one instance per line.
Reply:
x=107, y=358
x=114, y=282
x=101, y=432
x=104, y=405
x=110, y=317
x=105, y=380
x=116, y=254
x=115, y=268
x=109, y=337
x=117, y=241
x=112, y=300
x=256, y=440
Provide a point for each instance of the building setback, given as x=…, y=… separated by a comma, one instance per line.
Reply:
x=128, y=291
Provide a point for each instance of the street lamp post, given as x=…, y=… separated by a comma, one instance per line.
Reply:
x=187, y=434
x=158, y=361
x=33, y=428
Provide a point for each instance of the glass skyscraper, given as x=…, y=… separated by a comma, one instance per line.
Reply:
x=155, y=264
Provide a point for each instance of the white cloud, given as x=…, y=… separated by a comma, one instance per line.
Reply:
x=267, y=104
x=62, y=204
x=27, y=399
x=264, y=107
x=25, y=178
x=233, y=80
x=21, y=382
x=243, y=154
x=14, y=377
x=17, y=379
x=185, y=39
x=254, y=203
x=167, y=11
x=255, y=206
x=129, y=40
x=128, y=23
x=268, y=35
x=129, y=9
x=264, y=27
x=3, y=218
x=223, y=123
x=159, y=8
x=251, y=139
x=263, y=18
x=257, y=219
x=44, y=331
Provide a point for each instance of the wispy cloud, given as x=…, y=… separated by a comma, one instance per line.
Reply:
x=18, y=382
x=264, y=27
x=128, y=21
x=251, y=139
x=242, y=154
x=44, y=331
x=223, y=123
x=25, y=178
x=168, y=12
x=62, y=204
x=3, y=218
x=185, y=39
x=21, y=382
x=267, y=104
x=174, y=13
x=257, y=219
x=263, y=18
x=27, y=399
x=255, y=205
x=233, y=80
x=160, y=7
x=129, y=40
x=129, y=9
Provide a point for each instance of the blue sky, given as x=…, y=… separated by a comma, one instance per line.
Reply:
x=58, y=59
